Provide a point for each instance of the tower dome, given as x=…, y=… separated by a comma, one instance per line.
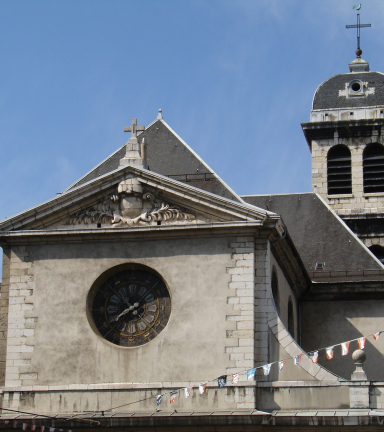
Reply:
x=349, y=96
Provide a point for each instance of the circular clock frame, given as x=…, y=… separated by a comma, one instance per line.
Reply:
x=129, y=305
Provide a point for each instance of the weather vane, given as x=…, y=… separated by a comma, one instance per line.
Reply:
x=358, y=26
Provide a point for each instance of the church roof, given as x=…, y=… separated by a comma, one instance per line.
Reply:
x=320, y=236
x=169, y=155
x=331, y=93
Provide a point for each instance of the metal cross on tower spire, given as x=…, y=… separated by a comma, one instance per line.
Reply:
x=358, y=26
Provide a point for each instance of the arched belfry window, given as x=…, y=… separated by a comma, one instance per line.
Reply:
x=373, y=168
x=339, y=170
x=275, y=288
x=291, y=319
x=378, y=251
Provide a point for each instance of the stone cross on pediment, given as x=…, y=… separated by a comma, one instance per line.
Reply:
x=134, y=128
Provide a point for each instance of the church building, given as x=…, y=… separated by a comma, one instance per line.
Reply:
x=149, y=295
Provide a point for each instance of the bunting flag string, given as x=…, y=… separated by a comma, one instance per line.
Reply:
x=222, y=380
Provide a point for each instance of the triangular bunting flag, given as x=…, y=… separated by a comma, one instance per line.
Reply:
x=42, y=428
x=159, y=398
x=297, y=359
x=173, y=396
x=222, y=381
x=267, y=368
x=345, y=348
x=282, y=364
x=361, y=343
x=251, y=373
x=235, y=378
x=51, y=429
x=376, y=335
x=314, y=356
x=202, y=387
x=25, y=426
x=33, y=427
x=187, y=392
x=329, y=352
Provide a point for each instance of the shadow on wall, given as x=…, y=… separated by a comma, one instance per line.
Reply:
x=328, y=323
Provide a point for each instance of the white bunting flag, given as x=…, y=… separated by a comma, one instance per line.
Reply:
x=297, y=359
x=282, y=364
x=187, y=391
x=42, y=428
x=251, y=374
x=314, y=356
x=159, y=398
x=33, y=427
x=329, y=352
x=376, y=335
x=173, y=396
x=345, y=348
x=235, y=378
x=202, y=387
x=267, y=368
x=361, y=343
x=25, y=426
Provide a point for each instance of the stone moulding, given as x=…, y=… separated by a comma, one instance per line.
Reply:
x=108, y=211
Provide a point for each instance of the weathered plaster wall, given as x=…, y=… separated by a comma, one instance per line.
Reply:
x=331, y=322
x=195, y=271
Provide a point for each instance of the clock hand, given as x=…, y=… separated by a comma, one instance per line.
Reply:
x=127, y=311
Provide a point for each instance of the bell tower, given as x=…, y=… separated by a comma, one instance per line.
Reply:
x=345, y=135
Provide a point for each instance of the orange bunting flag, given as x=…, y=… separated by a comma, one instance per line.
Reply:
x=376, y=335
x=202, y=387
x=314, y=356
x=361, y=343
x=297, y=359
x=329, y=352
x=173, y=396
x=345, y=348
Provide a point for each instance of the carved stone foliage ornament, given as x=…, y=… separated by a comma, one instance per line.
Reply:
x=130, y=207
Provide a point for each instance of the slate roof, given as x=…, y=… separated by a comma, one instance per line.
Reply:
x=169, y=155
x=327, y=94
x=320, y=236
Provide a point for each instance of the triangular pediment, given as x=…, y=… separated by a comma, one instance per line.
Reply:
x=131, y=197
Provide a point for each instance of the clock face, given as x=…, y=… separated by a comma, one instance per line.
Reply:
x=131, y=308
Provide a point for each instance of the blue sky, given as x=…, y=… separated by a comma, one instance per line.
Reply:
x=234, y=78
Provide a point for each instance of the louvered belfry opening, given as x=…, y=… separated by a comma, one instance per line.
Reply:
x=373, y=168
x=339, y=170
